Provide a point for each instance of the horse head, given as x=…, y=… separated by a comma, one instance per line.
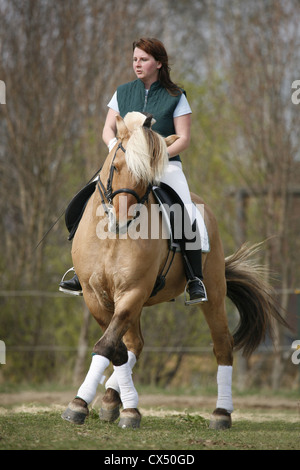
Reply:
x=136, y=162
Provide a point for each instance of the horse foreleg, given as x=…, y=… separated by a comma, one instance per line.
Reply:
x=77, y=409
x=110, y=347
x=111, y=401
x=112, y=382
x=126, y=316
x=223, y=347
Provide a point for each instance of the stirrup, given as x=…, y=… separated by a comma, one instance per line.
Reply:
x=68, y=291
x=195, y=301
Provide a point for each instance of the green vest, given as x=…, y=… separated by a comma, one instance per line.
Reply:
x=158, y=102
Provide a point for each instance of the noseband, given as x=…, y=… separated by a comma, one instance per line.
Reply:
x=108, y=193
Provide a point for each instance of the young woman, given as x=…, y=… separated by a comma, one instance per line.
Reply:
x=154, y=92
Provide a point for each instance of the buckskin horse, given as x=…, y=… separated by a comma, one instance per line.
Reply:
x=118, y=274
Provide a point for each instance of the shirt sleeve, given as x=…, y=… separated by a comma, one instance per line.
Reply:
x=182, y=107
x=113, y=104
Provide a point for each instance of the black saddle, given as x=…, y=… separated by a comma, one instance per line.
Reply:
x=164, y=194
x=75, y=209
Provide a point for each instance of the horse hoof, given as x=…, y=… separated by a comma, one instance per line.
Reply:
x=75, y=414
x=110, y=408
x=109, y=415
x=220, y=420
x=130, y=418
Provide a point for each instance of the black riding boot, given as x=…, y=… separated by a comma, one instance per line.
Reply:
x=72, y=286
x=193, y=269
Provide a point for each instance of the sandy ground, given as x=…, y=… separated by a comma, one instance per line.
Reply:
x=258, y=408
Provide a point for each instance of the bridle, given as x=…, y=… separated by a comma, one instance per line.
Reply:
x=108, y=193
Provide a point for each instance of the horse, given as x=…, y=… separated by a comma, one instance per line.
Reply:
x=118, y=273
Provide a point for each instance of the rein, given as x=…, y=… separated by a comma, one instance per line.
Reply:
x=108, y=193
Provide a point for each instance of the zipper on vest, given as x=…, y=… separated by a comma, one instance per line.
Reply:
x=145, y=102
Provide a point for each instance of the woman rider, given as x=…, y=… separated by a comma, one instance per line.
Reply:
x=154, y=92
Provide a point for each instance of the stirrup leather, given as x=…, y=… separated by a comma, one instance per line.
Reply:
x=194, y=301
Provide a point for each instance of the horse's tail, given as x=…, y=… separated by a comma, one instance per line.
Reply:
x=254, y=298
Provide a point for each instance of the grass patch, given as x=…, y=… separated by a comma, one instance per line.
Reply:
x=45, y=430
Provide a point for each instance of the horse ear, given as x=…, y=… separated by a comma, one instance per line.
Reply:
x=121, y=127
x=148, y=121
x=171, y=139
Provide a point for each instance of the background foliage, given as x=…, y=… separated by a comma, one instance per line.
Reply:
x=61, y=62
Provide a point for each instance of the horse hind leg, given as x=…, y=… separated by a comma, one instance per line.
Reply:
x=221, y=417
x=216, y=318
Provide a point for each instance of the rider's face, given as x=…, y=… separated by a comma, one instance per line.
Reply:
x=145, y=66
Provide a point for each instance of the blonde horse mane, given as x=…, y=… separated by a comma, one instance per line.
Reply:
x=146, y=151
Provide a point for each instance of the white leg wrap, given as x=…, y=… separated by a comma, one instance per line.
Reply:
x=224, y=380
x=88, y=389
x=128, y=393
x=112, y=382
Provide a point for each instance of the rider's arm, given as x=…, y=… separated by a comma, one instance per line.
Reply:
x=110, y=128
x=183, y=130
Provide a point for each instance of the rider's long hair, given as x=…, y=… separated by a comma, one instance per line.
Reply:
x=156, y=48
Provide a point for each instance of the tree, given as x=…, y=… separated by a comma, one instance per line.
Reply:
x=263, y=56
x=60, y=62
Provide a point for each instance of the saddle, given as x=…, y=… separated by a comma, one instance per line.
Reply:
x=165, y=197
x=75, y=209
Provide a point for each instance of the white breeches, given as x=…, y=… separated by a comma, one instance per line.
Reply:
x=174, y=177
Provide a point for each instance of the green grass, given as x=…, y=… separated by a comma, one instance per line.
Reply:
x=45, y=430
x=38, y=426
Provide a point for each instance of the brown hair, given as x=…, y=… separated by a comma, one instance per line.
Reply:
x=156, y=48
